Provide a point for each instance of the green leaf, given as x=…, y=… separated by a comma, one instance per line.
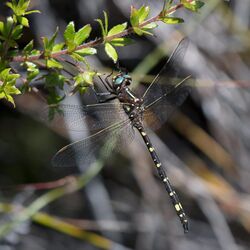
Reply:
x=69, y=36
x=49, y=44
x=134, y=19
x=8, y=97
x=121, y=41
x=52, y=63
x=138, y=31
x=86, y=51
x=111, y=52
x=150, y=26
x=82, y=34
x=143, y=13
x=7, y=85
x=17, y=32
x=55, y=79
x=32, y=11
x=32, y=70
x=83, y=81
x=172, y=20
x=7, y=27
x=1, y=27
x=28, y=48
x=199, y=4
x=12, y=90
x=6, y=77
x=138, y=16
x=104, y=26
x=85, y=78
x=117, y=29
x=23, y=21
x=193, y=6
x=106, y=23
x=78, y=57
x=54, y=98
x=58, y=47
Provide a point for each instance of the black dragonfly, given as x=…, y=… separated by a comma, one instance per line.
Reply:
x=113, y=123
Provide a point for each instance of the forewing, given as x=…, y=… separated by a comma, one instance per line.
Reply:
x=169, y=76
x=158, y=112
x=92, y=117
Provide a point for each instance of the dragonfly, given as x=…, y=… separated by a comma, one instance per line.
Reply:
x=119, y=112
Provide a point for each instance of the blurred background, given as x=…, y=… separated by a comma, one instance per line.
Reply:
x=205, y=146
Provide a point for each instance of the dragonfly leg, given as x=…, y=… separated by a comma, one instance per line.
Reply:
x=164, y=178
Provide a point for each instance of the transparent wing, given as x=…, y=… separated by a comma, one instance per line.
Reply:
x=159, y=111
x=96, y=116
x=168, y=90
x=85, y=151
x=169, y=76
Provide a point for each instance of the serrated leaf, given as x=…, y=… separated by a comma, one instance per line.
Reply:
x=49, y=43
x=134, y=19
x=102, y=26
x=172, y=20
x=86, y=51
x=12, y=90
x=83, y=81
x=23, y=21
x=58, y=47
x=121, y=41
x=17, y=32
x=117, y=29
x=69, y=33
x=69, y=36
x=111, y=52
x=1, y=27
x=193, y=6
x=77, y=57
x=32, y=11
x=106, y=22
x=138, y=31
x=143, y=13
x=9, y=98
x=7, y=85
x=32, y=70
x=7, y=27
x=28, y=48
x=199, y=4
x=82, y=34
x=54, y=98
x=150, y=26
x=55, y=79
x=52, y=63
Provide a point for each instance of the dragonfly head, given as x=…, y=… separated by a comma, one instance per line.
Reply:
x=122, y=79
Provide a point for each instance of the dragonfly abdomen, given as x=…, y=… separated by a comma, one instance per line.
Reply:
x=164, y=178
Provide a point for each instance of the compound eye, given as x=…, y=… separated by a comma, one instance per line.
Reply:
x=119, y=80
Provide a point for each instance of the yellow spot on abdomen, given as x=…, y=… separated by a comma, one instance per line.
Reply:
x=143, y=133
x=151, y=149
x=158, y=165
x=177, y=207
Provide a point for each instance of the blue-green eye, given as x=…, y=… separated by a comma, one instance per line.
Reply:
x=119, y=80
